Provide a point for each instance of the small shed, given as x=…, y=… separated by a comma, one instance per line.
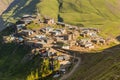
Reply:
x=35, y=44
x=60, y=58
x=49, y=20
x=66, y=47
x=98, y=41
x=46, y=29
x=27, y=32
x=56, y=32
x=9, y=38
x=27, y=19
x=40, y=36
x=60, y=23
x=20, y=39
x=20, y=27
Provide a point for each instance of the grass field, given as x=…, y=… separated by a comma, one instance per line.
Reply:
x=11, y=56
x=11, y=65
x=99, y=66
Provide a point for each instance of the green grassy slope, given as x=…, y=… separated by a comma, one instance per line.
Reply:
x=101, y=66
x=103, y=14
x=48, y=8
x=90, y=10
x=18, y=8
x=12, y=66
x=93, y=13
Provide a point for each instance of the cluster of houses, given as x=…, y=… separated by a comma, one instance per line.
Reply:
x=64, y=60
x=90, y=38
x=64, y=37
x=42, y=40
x=48, y=36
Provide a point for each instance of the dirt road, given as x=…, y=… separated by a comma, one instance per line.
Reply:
x=66, y=76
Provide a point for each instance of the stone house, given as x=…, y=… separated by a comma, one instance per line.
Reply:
x=60, y=23
x=27, y=18
x=76, y=34
x=49, y=21
x=34, y=44
x=46, y=29
x=20, y=27
x=86, y=43
x=56, y=32
x=40, y=36
x=88, y=33
x=98, y=41
x=27, y=32
x=64, y=37
x=66, y=47
x=9, y=38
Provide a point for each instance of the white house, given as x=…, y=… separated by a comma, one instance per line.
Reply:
x=56, y=32
x=40, y=36
x=47, y=29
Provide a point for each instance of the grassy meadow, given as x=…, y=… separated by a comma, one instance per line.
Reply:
x=103, y=65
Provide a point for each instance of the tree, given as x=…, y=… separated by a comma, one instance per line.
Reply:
x=33, y=75
x=45, y=69
x=56, y=65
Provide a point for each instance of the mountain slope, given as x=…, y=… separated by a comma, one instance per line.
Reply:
x=90, y=13
x=102, y=14
x=99, y=66
x=92, y=9
x=3, y=6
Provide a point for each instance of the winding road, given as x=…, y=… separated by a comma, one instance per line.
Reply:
x=66, y=76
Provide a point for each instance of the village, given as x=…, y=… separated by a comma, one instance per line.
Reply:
x=43, y=40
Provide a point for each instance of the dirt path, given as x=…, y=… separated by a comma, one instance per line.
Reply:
x=66, y=76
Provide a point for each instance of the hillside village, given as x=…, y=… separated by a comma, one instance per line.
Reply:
x=49, y=36
x=43, y=40
x=59, y=40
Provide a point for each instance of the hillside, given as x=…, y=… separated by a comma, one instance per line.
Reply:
x=3, y=6
x=15, y=61
x=102, y=14
x=104, y=65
